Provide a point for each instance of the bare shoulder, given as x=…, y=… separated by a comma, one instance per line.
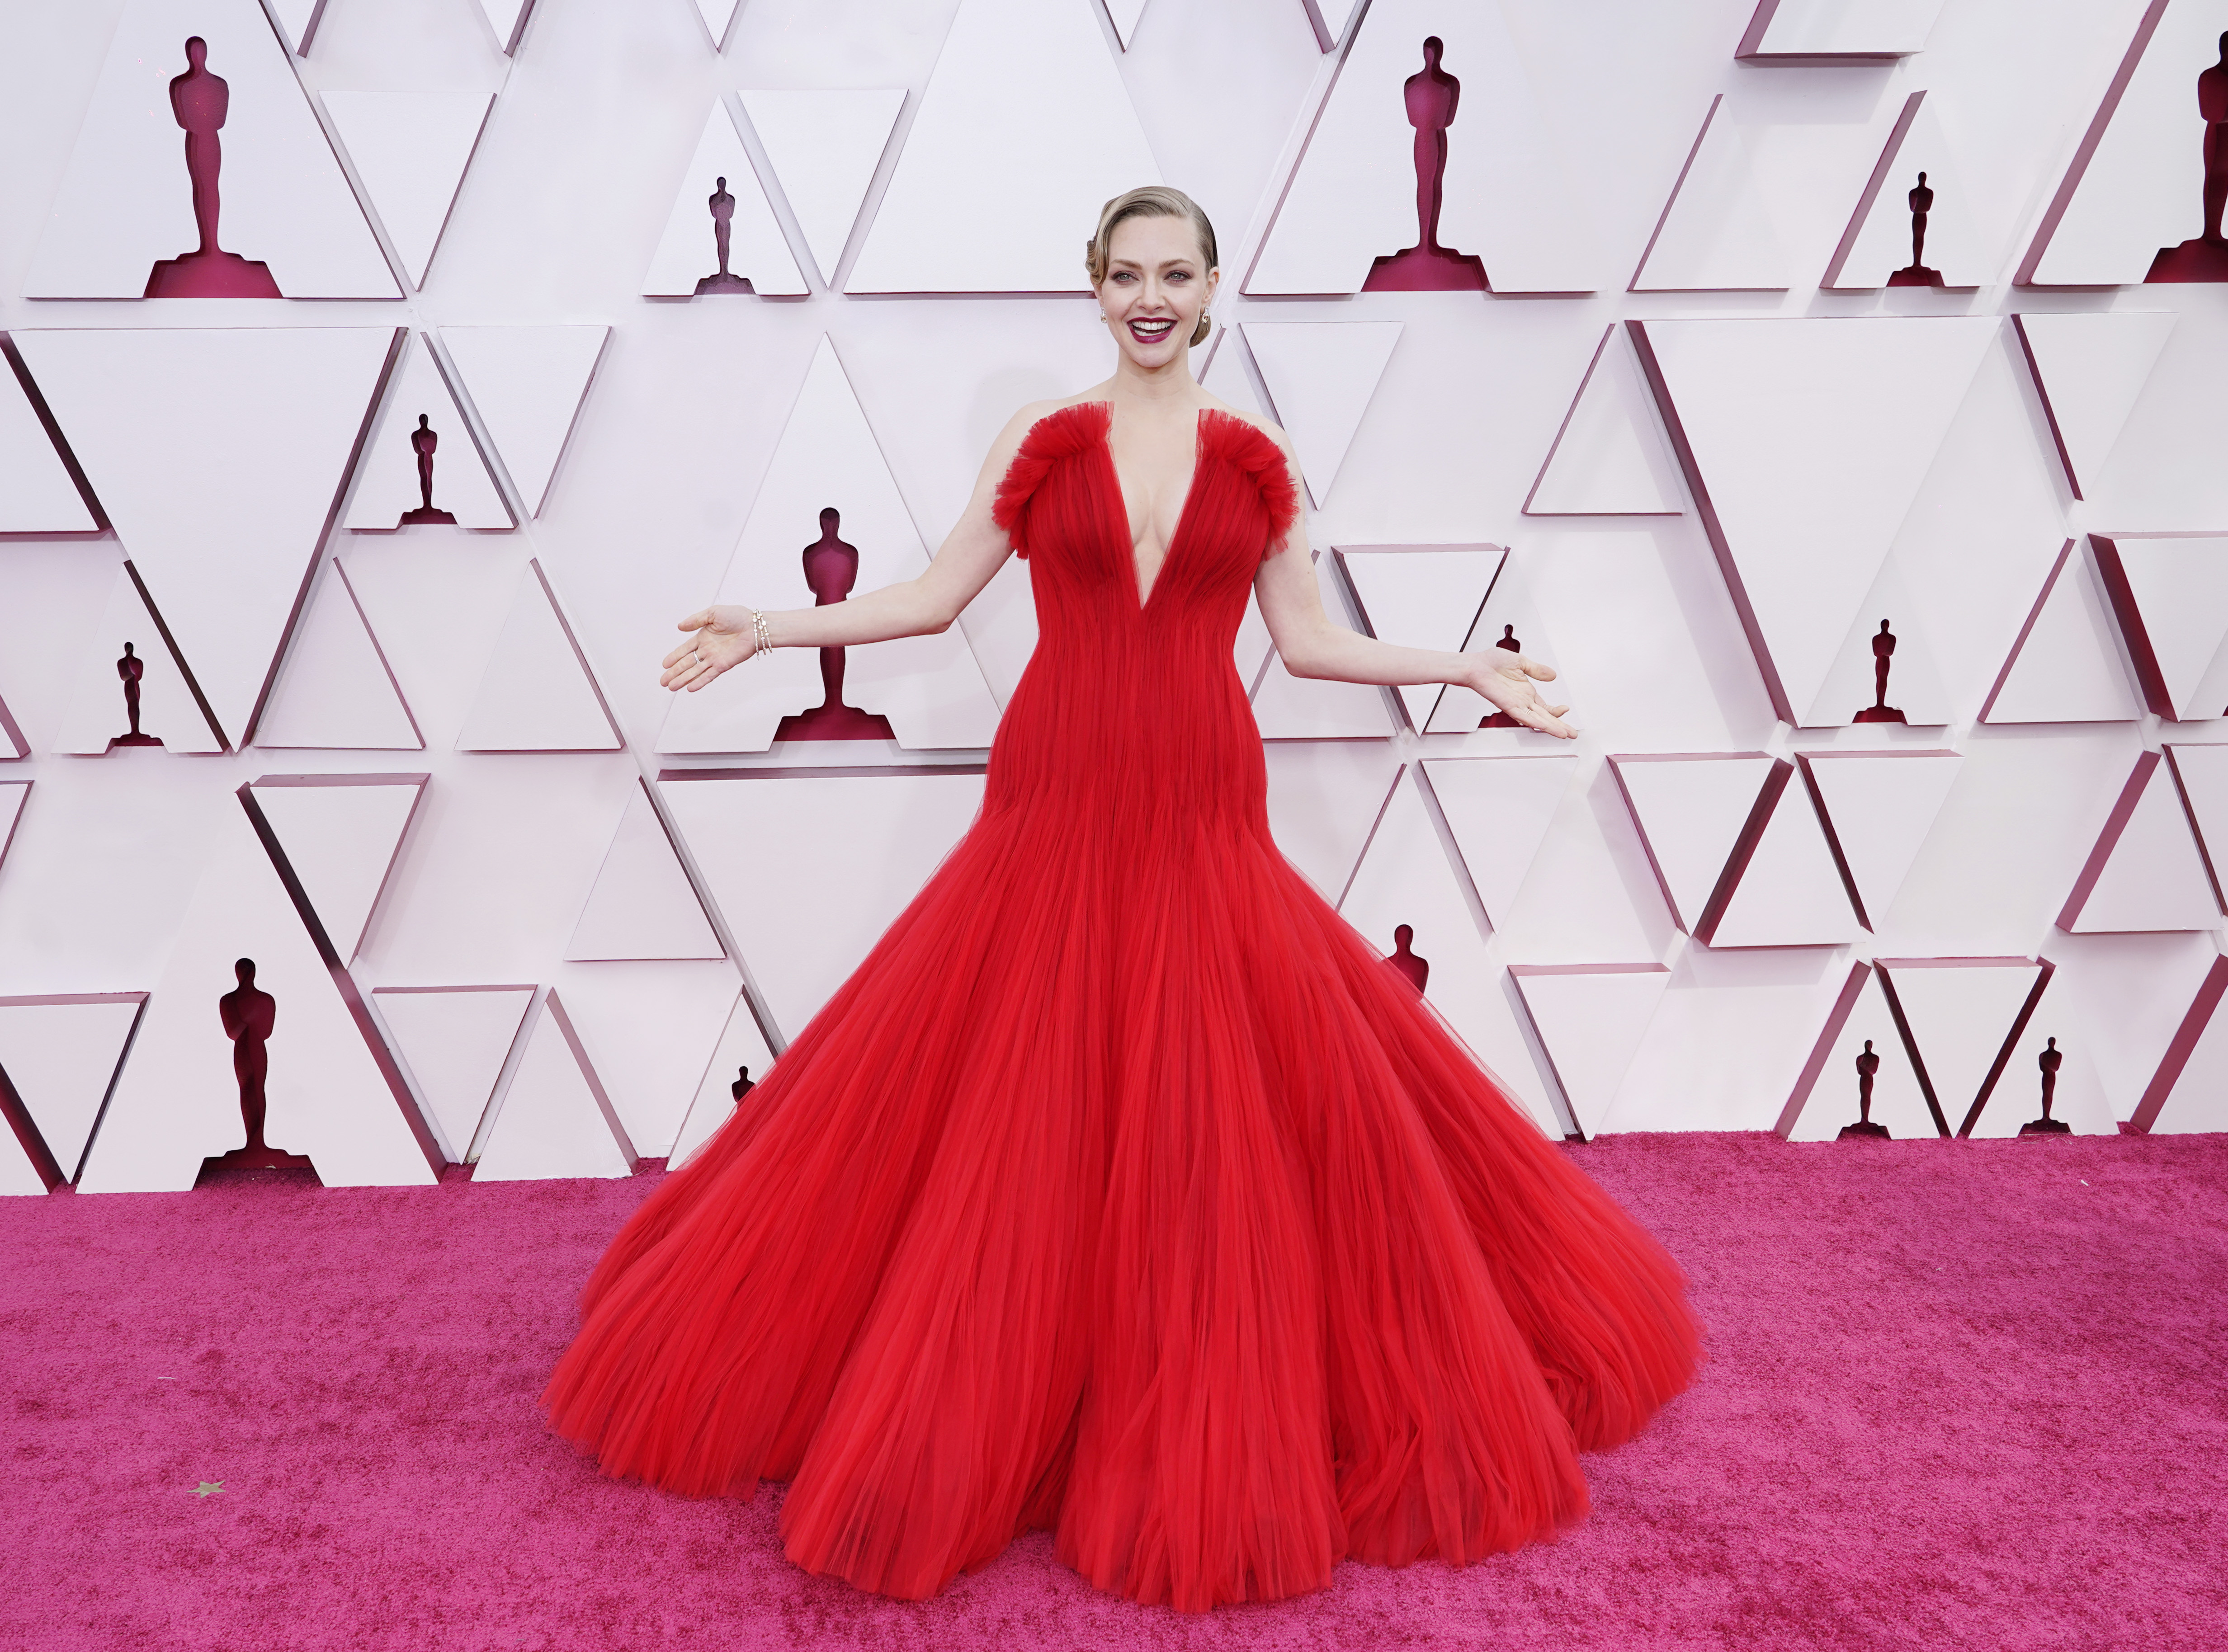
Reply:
x=1029, y=414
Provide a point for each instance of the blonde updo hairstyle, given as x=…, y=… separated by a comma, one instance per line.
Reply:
x=1153, y=200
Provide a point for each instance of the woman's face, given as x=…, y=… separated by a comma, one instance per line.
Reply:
x=1157, y=286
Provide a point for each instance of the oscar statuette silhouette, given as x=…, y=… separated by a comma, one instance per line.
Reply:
x=1432, y=95
x=423, y=441
x=2205, y=257
x=831, y=567
x=1416, y=972
x=1497, y=719
x=723, y=221
x=2050, y=1060
x=249, y=1016
x=1880, y=710
x=130, y=669
x=1916, y=274
x=1868, y=1065
x=199, y=102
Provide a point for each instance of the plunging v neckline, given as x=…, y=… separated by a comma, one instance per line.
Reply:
x=1145, y=596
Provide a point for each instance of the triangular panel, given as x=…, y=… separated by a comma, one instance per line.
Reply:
x=1786, y=890
x=421, y=413
x=527, y=384
x=2065, y=665
x=2145, y=872
x=1828, y=1096
x=740, y=1057
x=2089, y=367
x=1321, y=375
x=1836, y=33
x=1420, y=596
x=1499, y=809
x=2170, y=594
x=456, y=1041
x=1919, y=169
x=410, y=149
x=97, y=717
x=1024, y=131
x=554, y=1118
x=1610, y=457
x=1878, y=807
x=1692, y=811
x=1717, y=232
x=36, y=493
x=2189, y=1090
x=342, y=834
x=825, y=146
x=1961, y=1018
x=537, y=693
x=335, y=691
x=61, y=1053
x=1590, y=1019
x=2201, y=772
x=641, y=905
x=1325, y=797
x=720, y=186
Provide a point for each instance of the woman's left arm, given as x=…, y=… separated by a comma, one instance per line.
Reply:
x=1311, y=645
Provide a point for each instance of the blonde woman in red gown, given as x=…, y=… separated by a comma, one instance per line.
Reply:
x=1125, y=1190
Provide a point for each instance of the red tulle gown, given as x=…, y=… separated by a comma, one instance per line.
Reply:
x=1125, y=1189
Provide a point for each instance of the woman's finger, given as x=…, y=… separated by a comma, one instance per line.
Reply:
x=695, y=621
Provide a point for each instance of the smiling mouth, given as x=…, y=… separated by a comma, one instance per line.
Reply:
x=1152, y=331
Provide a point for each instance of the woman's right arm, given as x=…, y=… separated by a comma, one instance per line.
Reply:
x=929, y=603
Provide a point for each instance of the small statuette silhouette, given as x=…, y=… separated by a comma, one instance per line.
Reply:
x=200, y=101
x=1497, y=719
x=1416, y=972
x=742, y=1086
x=723, y=221
x=831, y=567
x=130, y=669
x=1916, y=274
x=249, y=1014
x=1868, y=1065
x=2205, y=258
x=423, y=441
x=1431, y=95
x=2050, y=1060
x=1880, y=710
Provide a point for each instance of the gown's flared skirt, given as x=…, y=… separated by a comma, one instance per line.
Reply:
x=1189, y=1232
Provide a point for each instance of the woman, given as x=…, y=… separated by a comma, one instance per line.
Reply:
x=1125, y=1190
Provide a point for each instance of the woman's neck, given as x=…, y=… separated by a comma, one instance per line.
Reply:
x=1153, y=386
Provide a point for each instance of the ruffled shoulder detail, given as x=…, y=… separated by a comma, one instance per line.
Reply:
x=1060, y=434
x=1243, y=444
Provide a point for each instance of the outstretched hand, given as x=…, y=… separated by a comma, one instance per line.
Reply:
x=724, y=638
x=1505, y=679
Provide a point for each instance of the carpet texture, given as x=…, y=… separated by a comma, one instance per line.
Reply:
x=1960, y=1395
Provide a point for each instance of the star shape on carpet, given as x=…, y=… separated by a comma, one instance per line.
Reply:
x=208, y=1487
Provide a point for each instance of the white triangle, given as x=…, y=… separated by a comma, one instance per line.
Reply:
x=218, y=453
x=1325, y=797
x=455, y=1041
x=2178, y=588
x=554, y=1119
x=410, y=149
x=125, y=201
x=1499, y=809
x=718, y=17
x=1879, y=805
x=1506, y=195
x=1790, y=893
x=1859, y=30
x=1964, y=225
x=1590, y=1022
x=648, y=1026
x=537, y=693
x=342, y=834
x=1961, y=1014
x=851, y=851
x=641, y=905
x=1609, y=458
x=1690, y=811
x=1780, y=415
x=2146, y=872
x=1024, y=131
x=2091, y=367
x=2136, y=185
x=508, y=19
x=386, y=473
x=929, y=687
x=824, y=146
x=61, y=1053
x=2202, y=773
x=527, y=384
x=1321, y=375
x=1406, y=878
x=2189, y=1092
x=1851, y=683
x=1899, y=1104
x=298, y=21
x=1717, y=232
x=687, y=252
x=95, y=713
x=2078, y=1099
x=741, y=1047
x=335, y=691
x=1421, y=597
x=1286, y=707
x=1124, y=15
x=36, y=494
x=2065, y=666
x=178, y=1100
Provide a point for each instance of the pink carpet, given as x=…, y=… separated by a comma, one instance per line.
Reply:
x=1960, y=1394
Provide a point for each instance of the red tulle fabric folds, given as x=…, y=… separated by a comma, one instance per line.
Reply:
x=1125, y=1190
